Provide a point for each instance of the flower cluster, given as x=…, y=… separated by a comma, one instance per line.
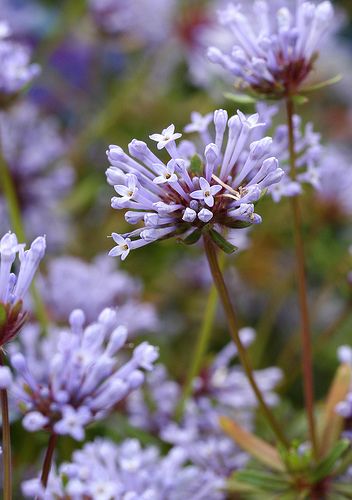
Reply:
x=13, y=288
x=221, y=389
x=103, y=470
x=275, y=45
x=145, y=21
x=81, y=378
x=16, y=69
x=308, y=153
x=335, y=187
x=41, y=177
x=72, y=283
x=210, y=186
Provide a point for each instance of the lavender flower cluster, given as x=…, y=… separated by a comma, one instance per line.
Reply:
x=82, y=378
x=64, y=379
x=213, y=183
x=16, y=68
x=71, y=283
x=104, y=470
x=42, y=177
x=275, y=44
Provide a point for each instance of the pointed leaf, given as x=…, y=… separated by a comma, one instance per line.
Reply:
x=345, y=489
x=196, y=166
x=240, y=98
x=258, y=448
x=327, y=465
x=324, y=84
x=263, y=480
x=332, y=422
x=192, y=238
x=221, y=242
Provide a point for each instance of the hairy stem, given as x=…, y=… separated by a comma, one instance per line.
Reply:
x=307, y=364
x=48, y=459
x=233, y=326
x=6, y=441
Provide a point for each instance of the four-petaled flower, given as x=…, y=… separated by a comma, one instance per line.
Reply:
x=167, y=174
x=167, y=135
x=127, y=192
x=206, y=192
x=122, y=246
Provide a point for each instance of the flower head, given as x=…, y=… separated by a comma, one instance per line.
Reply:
x=81, y=378
x=72, y=283
x=103, y=470
x=16, y=69
x=274, y=46
x=209, y=185
x=308, y=152
x=14, y=288
x=42, y=176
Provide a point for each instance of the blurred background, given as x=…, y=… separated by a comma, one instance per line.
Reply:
x=110, y=76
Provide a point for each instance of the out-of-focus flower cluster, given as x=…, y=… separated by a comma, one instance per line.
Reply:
x=42, y=178
x=71, y=283
x=15, y=62
x=74, y=377
x=104, y=470
x=274, y=43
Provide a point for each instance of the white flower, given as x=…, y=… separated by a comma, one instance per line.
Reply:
x=206, y=192
x=199, y=123
x=166, y=136
x=167, y=174
x=122, y=246
x=127, y=192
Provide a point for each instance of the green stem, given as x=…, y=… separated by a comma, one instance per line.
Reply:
x=48, y=459
x=18, y=227
x=11, y=199
x=200, y=350
x=307, y=364
x=233, y=326
x=6, y=441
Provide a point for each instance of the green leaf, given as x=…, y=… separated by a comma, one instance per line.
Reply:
x=240, y=98
x=196, y=166
x=221, y=242
x=324, y=84
x=192, y=238
x=326, y=466
x=237, y=224
x=345, y=489
x=262, y=480
x=3, y=315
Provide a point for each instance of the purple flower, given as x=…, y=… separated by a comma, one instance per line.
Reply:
x=16, y=69
x=204, y=186
x=335, y=180
x=14, y=288
x=103, y=470
x=76, y=377
x=33, y=149
x=308, y=150
x=146, y=22
x=72, y=283
x=274, y=44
